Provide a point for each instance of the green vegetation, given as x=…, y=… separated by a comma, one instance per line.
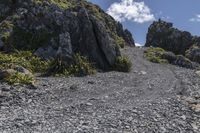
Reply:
x=64, y=4
x=61, y=3
x=80, y=67
x=19, y=78
x=122, y=64
x=93, y=9
x=5, y=28
x=119, y=41
x=25, y=59
x=5, y=25
x=155, y=55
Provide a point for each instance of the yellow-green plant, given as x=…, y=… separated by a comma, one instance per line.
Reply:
x=25, y=59
x=122, y=64
x=155, y=55
x=19, y=78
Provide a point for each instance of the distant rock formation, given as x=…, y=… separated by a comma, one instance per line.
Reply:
x=60, y=29
x=162, y=34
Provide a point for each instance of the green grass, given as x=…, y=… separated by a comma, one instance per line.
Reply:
x=155, y=55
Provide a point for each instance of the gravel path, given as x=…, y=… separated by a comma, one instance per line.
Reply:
x=152, y=98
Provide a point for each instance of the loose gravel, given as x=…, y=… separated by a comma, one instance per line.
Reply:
x=152, y=98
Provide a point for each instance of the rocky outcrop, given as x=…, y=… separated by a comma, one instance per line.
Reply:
x=61, y=29
x=184, y=62
x=162, y=34
x=187, y=47
x=193, y=53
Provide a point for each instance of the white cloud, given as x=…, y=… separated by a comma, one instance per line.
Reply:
x=196, y=18
x=130, y=10
x=138, y=44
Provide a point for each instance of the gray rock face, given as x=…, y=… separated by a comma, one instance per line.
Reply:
x=162, y=34
x=46, y=52
x=65, y=48
x=128, y=37
x=1, y=44
x=184, y=62
x=171, y=57
x=105, y=42
x=52, y=31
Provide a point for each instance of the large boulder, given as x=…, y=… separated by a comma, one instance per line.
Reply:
x=184, y=62
x=169, y=56
x=162, y=34
x=61, y=29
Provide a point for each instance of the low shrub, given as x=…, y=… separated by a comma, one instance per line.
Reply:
x=80, y=67
x=122, y=64
x=155, y=55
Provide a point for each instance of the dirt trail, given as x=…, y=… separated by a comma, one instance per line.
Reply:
x=151, y=98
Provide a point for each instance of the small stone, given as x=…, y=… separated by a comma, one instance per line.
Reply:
x=194, y=126
x=198, y=73
x=32, y=87
x=74, y=87
x=29, y=100
x=89, y=104
x=91, y=82
x=183, y=117
x=143, y=72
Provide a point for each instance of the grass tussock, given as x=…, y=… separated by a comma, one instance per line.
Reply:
x=19, y=78
x=25, y=59
x=80, y=67
x=155, y=55
x=122, y=64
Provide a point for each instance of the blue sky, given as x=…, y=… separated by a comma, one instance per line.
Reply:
x=137, y=15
